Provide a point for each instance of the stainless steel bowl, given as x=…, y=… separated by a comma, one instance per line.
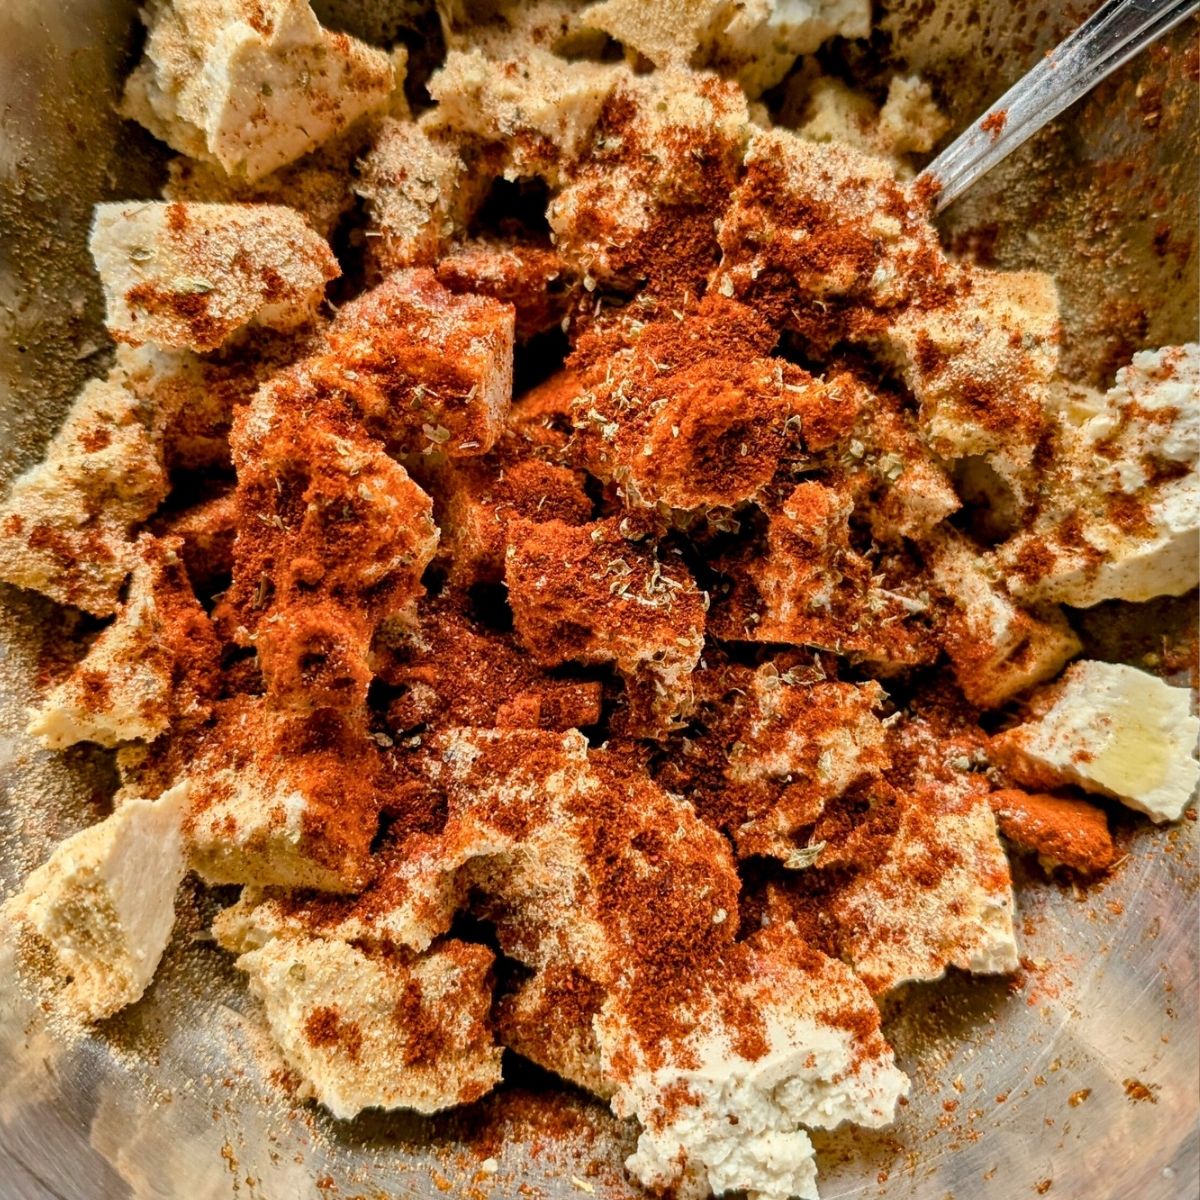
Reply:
x=1076, y=1079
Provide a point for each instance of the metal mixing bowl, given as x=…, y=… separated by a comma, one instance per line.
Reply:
x=1076, y=1079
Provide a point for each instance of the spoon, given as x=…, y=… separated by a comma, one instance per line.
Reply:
x=1111, y=36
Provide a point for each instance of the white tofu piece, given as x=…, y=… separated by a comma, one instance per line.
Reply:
x=191, y=275
x=997, y=648
x=982, y=367
x=365, y=1029
x=104, y=903
x=542, y=107
x=715, y=1121
x=507, y=28
x=826, y=110
x=270, y=809
x=125, y=689
x=1121, y=520
x=251, y=85
x=65, y=526
x=757, y=41
x=1113, y=730
x=941, y=898
x=415, y=188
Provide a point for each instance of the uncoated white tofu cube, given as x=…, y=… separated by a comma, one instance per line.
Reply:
x=1115, y=730
x=104, y=903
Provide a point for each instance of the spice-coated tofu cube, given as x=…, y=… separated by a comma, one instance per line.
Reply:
x=429, y=371
x=481, y=497
x=153, y=665
x=283, y=800
x=996, y=647
x=65, y=526
x=585, y=594
x=189, y=276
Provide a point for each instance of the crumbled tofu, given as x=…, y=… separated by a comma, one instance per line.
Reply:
x=694, y=415
x=429, y=371
x=505, y=29
x=534, y=279
x=716, y=1119
x=763, y=40
x=189, y=276
x=480, y=500
x=981, y=368
x=251, y=85
x=809, y=586
x=279, y=799
x=668, y=35
x=1120, y=517
x=365, y=1029
x=825, y=109
x=1113, y=730
x=826, y=226
x=659, y=173
x=130, y=686
x=910, y=120
x=415, y=186
x=550, y=1019
x=756, y=41
x=334, y=536
x=65, y=526
x=997, y=649
x=940, y=897
x=104, y=903
x=818, y=740
x=1064, y=831
x=540, y=107
x=585, y=594
x=206, y=532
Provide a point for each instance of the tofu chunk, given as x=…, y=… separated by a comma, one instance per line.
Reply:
x=756, y=42
x=133, y=682
x=368, y=1029
x=582, y=593
x=480, y=498
x=416, y=190
x=940, y=895
x=104, y=903
x=997, y=649
x=1113, y=730
x=541, y=107
x=65, y=528
x=250, y=85
x=189, y=276
x=1120, y=514
x=718, y=1116
x=430, y=372
x=279, y=799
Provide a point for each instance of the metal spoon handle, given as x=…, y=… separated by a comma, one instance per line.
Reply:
x=1112, y=35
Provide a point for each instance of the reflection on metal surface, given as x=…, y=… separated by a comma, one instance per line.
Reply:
x=1015, y=1082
